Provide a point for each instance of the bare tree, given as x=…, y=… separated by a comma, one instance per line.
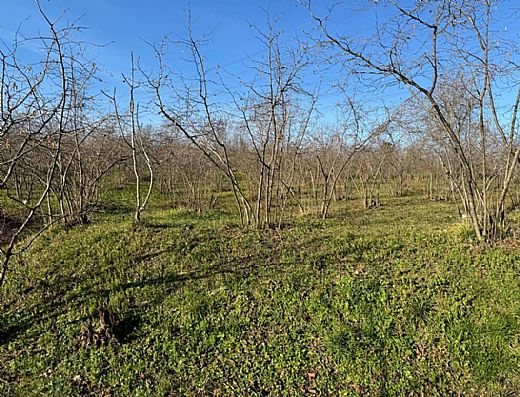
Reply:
x=274, y=112
x=33, y=106
x=355, y=133
x=131, y=131
x=450, y=38
x=269, y=115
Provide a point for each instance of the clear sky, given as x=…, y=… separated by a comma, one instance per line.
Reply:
x=125, y=25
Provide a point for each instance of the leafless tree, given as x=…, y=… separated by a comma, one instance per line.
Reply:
x=131, y=131
x=34, y=100
x=269, y=115
x=449, y=38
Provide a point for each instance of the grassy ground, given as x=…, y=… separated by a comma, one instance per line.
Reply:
x=392, y=301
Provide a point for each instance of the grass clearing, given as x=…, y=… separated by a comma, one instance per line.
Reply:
x=391, y=301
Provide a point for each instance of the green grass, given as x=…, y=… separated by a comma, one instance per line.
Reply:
x=392, y=301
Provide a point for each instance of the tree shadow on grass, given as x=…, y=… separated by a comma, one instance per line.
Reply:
x=57, y=304
x=8, y=226
x=9, y=333
x=240, y=267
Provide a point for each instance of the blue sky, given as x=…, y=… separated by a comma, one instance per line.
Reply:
x=124, y=25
